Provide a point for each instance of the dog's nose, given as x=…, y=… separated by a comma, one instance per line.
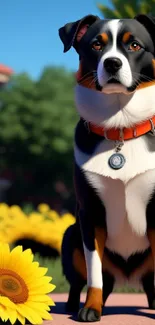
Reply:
x=112, y=65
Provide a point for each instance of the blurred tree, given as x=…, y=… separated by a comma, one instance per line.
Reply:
x=127, y=9
x=37, y=120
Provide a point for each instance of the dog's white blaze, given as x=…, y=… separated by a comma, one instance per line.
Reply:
x=94, y=268
x=124, y=74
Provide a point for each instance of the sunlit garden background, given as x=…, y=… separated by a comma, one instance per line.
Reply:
x=37, y=120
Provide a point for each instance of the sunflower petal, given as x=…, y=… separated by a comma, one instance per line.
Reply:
x=4, y=255
x=21, y=319
x=16, y=251
x=40, y=282
x=29, y=313
x=41, y=298
x=41, y=308
x=27, y=254
x=45, y=315
x=42, y=271
x=3, y=314
x=35, y=306
x=43, y=289
x=6, y=302
x=12, y=315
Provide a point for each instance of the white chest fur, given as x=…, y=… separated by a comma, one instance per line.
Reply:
x=138, y=159
x=125, y=192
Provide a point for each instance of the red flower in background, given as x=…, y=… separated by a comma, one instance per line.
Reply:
x=5, y=73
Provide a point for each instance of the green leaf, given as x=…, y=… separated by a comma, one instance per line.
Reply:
x=129, y=9
x=109, y=13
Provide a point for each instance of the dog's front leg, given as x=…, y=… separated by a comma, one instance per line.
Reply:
x=92, y=217
x=94, y=242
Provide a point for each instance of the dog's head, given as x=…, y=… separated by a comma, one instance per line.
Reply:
x=117, y=60
x=115, y=55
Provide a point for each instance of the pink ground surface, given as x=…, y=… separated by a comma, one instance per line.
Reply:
x=121, y=309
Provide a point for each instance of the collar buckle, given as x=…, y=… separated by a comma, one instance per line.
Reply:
x=152, y=132
x=119, y=143
x=86, y=124
x=121, y=135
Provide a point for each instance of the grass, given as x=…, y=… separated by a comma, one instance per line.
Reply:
x=55, y=270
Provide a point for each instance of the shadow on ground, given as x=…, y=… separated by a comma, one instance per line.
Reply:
x=109, y=310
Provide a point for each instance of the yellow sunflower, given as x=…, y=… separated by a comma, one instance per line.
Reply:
x=43, y=207
x=23, y=287
x=41, y=231
x=52, y=232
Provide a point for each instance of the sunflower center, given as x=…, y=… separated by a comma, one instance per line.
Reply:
x=13, y=286
x=10, y=284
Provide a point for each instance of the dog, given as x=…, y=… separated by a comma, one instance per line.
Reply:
x=113, y=240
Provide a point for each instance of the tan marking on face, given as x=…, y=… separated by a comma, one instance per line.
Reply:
x=153, y=63
x=104, y=37
x=94, y=299
x=126, y=37
x=146, y=84
x=78, y=74
x=87, y=80
x=79, y=263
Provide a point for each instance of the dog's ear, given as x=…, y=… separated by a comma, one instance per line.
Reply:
x=72, y=32
x=149, y=23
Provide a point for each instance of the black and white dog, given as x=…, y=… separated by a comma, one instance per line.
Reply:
x=114, y=154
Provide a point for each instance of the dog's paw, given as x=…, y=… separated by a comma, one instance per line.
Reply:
x=88, y=315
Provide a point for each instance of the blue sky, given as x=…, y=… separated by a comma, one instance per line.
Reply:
x=29, y=32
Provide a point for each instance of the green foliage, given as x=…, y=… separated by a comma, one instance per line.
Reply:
x=128, y=9
x=37, y=120
x=38, y=115
x=55, y=271
x=28, y=208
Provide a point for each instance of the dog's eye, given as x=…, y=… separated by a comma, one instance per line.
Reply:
x=97, y=46
x=134, y=46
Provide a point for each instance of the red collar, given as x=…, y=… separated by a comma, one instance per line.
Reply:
x=125, y=133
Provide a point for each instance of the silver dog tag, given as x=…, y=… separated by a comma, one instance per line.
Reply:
x=116, y=161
